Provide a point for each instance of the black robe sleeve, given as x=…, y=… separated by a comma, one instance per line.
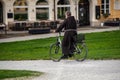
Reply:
x=62, y=25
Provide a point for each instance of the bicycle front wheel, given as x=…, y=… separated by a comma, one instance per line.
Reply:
x=55, y=52
x=81, y=52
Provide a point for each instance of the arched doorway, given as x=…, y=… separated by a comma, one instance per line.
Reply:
x=1, y=13
x=84, y=13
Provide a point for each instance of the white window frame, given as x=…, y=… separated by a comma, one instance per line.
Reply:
x=44, y=6
x=26, y=6
x=105, y=5
x=20, y=6
x=60, y=6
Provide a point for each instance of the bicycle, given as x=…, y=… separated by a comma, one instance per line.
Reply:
x=80, y=52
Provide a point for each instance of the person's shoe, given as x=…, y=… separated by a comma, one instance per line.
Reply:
x=71, y=55
x=64, y=57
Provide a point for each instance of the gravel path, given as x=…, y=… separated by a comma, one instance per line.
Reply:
x=68, y=69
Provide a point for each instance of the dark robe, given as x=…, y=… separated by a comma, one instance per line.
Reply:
x=69, y=39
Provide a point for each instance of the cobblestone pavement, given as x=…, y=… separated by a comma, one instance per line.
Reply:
x=68, y=69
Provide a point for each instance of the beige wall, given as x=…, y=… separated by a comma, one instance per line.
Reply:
x=113, y=13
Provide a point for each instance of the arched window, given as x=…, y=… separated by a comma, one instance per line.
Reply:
x=20, y=10
x=62, y=7
x=42, y=10
x=63, y=2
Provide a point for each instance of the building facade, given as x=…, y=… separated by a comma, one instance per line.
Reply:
x=86, y=12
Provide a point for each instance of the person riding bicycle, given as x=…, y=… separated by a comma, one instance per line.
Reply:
x=69, y=39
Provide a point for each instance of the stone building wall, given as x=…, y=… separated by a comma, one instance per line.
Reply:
x=9, y=8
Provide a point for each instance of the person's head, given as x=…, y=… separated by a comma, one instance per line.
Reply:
x=67, y=14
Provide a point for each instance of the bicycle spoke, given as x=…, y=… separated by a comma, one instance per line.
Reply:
x=81, y=52
x=55, y=52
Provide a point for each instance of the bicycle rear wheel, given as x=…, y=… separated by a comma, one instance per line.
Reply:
x=81, y=52
x=55, y=52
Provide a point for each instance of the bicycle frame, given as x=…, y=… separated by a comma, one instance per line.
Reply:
x=59, y=40
x=58, y=43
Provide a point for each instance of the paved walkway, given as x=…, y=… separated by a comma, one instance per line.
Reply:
x=82, y=30
x=68, y=69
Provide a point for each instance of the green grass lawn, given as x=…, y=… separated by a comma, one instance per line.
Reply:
x=101, y=45
x=104, y=45
x=17, y=73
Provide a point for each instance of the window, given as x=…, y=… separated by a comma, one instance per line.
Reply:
x=105, y=6
x=63, y=2
x=20, y=10
x=42, y=10
x=62, y=7
x=117, y=5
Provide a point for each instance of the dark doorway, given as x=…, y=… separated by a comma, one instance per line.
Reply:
x=1, y=13
x=84, y=13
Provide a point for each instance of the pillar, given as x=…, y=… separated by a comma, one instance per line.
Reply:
x=51, y=9
x=93, y=20
x=31, y=10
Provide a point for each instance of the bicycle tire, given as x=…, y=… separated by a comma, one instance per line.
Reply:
x=55, y=52
x=81, y=52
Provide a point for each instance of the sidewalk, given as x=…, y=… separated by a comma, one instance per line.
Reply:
x=38, y=36
x=68, y=69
